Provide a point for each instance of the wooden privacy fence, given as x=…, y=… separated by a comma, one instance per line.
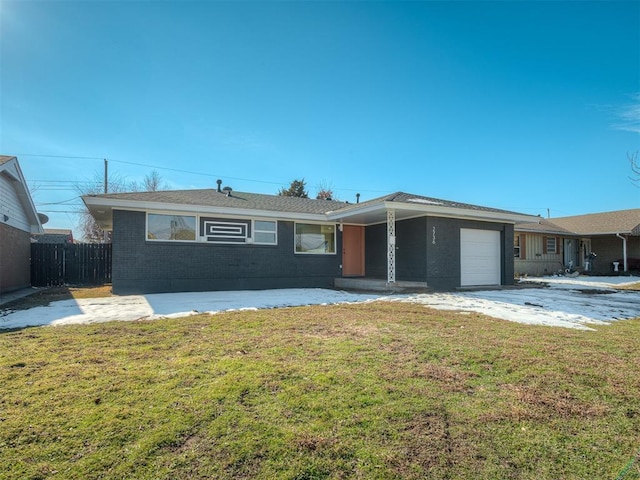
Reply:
x=72, y=264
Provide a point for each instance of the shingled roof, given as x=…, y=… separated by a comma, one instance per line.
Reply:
x=241, y=200
x=620, y=221
x=411, y=199
x=212, y=201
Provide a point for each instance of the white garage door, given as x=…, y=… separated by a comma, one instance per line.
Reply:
x=479, y=257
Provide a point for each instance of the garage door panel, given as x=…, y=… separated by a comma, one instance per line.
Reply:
x=479, y=257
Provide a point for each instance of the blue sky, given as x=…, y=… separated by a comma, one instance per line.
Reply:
x=517, y=105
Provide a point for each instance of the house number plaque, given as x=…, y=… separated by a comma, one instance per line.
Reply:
x=433, y=241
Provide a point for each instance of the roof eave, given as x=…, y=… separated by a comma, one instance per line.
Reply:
x=433, y=210
x=102, y=210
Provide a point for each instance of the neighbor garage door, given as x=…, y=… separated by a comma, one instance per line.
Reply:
x=479, y=257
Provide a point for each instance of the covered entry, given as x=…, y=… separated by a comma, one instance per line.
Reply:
x=479, y=257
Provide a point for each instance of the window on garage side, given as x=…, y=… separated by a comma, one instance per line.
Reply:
x=516, y=246
x=314, y=238
x=171, y=227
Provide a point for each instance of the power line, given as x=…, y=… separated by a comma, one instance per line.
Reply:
x=212, y=175
x=77, y=157
x=193, y=173
x=59, y=203
x=61, y=211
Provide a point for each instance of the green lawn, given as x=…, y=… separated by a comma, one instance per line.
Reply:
x=375, y=391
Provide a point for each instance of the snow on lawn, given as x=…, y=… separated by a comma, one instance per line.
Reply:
x=566, y=302
x=170, y=305
x=572, y=302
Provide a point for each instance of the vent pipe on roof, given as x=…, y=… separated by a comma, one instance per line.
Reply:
x=219, y=182
x=227, y=190
x=357, y=198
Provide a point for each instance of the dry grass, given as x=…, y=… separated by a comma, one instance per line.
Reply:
x=382, y=391
x=45, y=296
x=633, y=286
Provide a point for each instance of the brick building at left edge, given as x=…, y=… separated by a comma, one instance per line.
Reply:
x=18, y=221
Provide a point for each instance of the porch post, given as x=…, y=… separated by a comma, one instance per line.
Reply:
x=391, y=246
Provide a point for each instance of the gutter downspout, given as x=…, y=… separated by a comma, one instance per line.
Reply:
x=624, y=250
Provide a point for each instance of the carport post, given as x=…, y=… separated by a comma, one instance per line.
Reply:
x=391, y=246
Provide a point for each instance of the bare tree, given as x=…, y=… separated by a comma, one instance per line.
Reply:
x=325, y=191
x=90, y=230
x=153, y=182
x=635, y=167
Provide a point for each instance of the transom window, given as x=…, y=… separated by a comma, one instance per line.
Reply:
x=171, y=227
x=315, y=238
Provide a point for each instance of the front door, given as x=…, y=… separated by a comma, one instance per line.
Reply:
x=352, y=251
x=571, y=253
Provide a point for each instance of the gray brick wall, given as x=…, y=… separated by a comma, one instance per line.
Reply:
x=418, y=258
x=609, y=249
x=140, y=266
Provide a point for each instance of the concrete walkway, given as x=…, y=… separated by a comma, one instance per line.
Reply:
x=16, y=294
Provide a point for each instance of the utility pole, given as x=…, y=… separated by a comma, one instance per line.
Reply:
x=106, y=176
x=105, y=238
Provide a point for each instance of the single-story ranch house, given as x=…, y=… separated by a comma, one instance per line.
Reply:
x=18, y=220
x=213, y=239
x=549, y=245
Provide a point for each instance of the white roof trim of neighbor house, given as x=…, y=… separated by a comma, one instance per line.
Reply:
x=10, y=168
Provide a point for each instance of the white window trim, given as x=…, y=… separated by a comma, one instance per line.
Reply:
x=249, y=240
x=335, y=238
x=254, y=230
x=553, y=251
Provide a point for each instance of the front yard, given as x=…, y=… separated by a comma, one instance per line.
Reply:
x=382, y=390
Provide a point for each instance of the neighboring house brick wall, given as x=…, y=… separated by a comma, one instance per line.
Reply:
x=15, y=254
x=609, y=249
x=140, y=266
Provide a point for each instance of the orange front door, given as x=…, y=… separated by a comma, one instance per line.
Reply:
x=352, y=251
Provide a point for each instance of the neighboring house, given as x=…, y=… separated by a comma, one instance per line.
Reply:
x=222, y=240
x=54, y=235
x=551, y=245
x=18, y=220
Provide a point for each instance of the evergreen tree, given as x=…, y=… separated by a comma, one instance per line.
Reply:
x=296, y=189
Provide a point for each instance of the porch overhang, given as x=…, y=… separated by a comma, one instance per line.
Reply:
x=377, y=213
